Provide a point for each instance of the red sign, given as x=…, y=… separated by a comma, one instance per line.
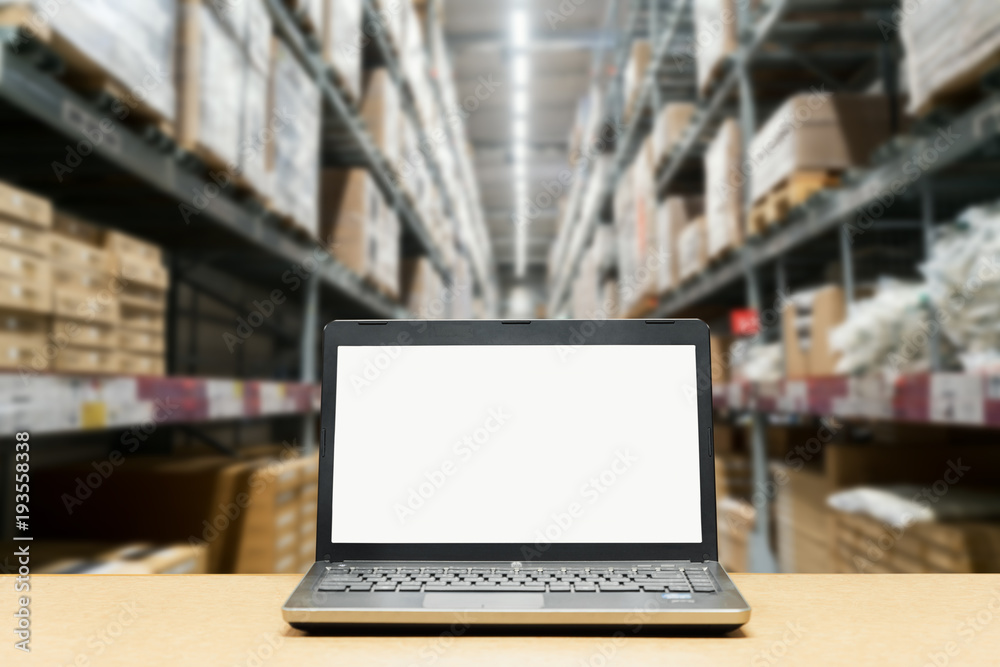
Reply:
x=744, y=322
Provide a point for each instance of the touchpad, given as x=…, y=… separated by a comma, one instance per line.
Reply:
x=484, y=600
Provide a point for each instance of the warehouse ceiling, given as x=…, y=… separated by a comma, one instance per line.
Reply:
x=557, y=40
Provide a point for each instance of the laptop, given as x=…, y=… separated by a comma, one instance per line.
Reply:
x=553, y=473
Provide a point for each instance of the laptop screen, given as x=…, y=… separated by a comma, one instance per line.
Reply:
x=520, y=444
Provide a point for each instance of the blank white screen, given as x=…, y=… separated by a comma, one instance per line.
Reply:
x=516, y=444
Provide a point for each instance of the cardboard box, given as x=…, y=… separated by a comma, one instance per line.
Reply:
x=949, y=47
x=724, y=191
x=719, y=346
x=81, y=278
x=18, y=344
x=85, y=305
x=806, y=323
x=25, y=238
x=86, y=334
x=737, y=519
x=141, y=319
x=18, y=296
x=804, y=522
x=85, y=360
x=672, y=216
x=138, y=271
x=718, y=20
x=380, y=110
x=118, y=244
x=341, y=36
x=670, y=125
x=817, y=132
x=141, y=342
x=25, y=268
x=133, y=363
x=692, y=256
x=17, y=205
x=421, y=288
x=73, y=253
x=138, y=297
x=352, y=207
x=635, y=72
x=72, y=227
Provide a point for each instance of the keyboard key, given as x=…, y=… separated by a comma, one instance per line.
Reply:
x=384, y=587
x=409, y=587
x=409, y=570
x=704, y=589
x=653, y=587
x=533, y=588
x=680, y=588
x=585, y=588
x=560, y=588
x=360, y=588
x=332, y=587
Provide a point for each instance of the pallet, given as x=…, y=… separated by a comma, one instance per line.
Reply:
x=774, y=207
x=966, y=89
x=80, y=72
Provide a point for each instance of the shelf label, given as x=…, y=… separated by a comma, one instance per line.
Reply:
x=957, y=398
x=93, y=414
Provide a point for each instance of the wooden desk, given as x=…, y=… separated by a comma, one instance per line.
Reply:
x=236, y=620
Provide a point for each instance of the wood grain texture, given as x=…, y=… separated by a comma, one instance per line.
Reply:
x=236, y=620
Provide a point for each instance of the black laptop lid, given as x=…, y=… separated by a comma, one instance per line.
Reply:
x=517, y=441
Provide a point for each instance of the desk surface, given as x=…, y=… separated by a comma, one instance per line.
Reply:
x=236, y=620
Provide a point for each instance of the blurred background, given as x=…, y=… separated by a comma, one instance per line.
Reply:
x=190, y=189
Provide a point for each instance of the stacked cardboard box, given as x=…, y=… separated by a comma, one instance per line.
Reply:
x=736, y=521
x=864, y=543
x=635, y=72
x=715, y=23
x=380, y=112
x=804, y=522
x=950, y=45
x=673, y=215
x=819, y=132
x=296, y=144
x=692, y=251
x=142, y=342
x=342, y=42
x=724, y=192
x=25, y=277
x=309, y=496
x=361, y=231
x=86, y=301
x=125, y=47
x=806, y=321
x=107, y=558
x=670, y=125
x=422, y=288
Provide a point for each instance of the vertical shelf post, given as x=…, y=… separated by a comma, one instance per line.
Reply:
x=310, y=344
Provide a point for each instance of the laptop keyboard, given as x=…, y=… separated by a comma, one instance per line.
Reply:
x=542, y=580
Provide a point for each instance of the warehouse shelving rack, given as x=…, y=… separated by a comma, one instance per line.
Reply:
x=887, y=201
x=135, y=179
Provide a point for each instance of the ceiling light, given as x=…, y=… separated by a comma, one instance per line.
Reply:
x=520, y=129
x=520, y=152
x=519, y=29
x=520, y=102
x=520, y=68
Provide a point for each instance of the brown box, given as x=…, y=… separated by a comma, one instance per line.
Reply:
x=719, y=346
x=25, y=268
x=73, y=253
x=351, y=208
x=340, y=34
x=420, y=287
x=138, y=297
x=86, y=334
x=141, y=319
x=804, y=522
x=141, y=342
x=85, y=305
x=20, y=339
x=826, y=132
x=25, y=238
x=692, y=255
x=84, y=360
x=673, y=215
x=22, y=207
x=124, y=245
x=716, y=20
x=724, y=191
x=138, y=271
x=18, y=296
x=806, y=323
x=635, y=72
x=133, y=363
x=670, y=125
x=71, y=227
x=380, y=111
x=737, y=519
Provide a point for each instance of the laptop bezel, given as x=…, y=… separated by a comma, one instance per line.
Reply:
x=506, y=332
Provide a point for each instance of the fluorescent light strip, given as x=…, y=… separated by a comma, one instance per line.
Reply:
x=519, y=28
